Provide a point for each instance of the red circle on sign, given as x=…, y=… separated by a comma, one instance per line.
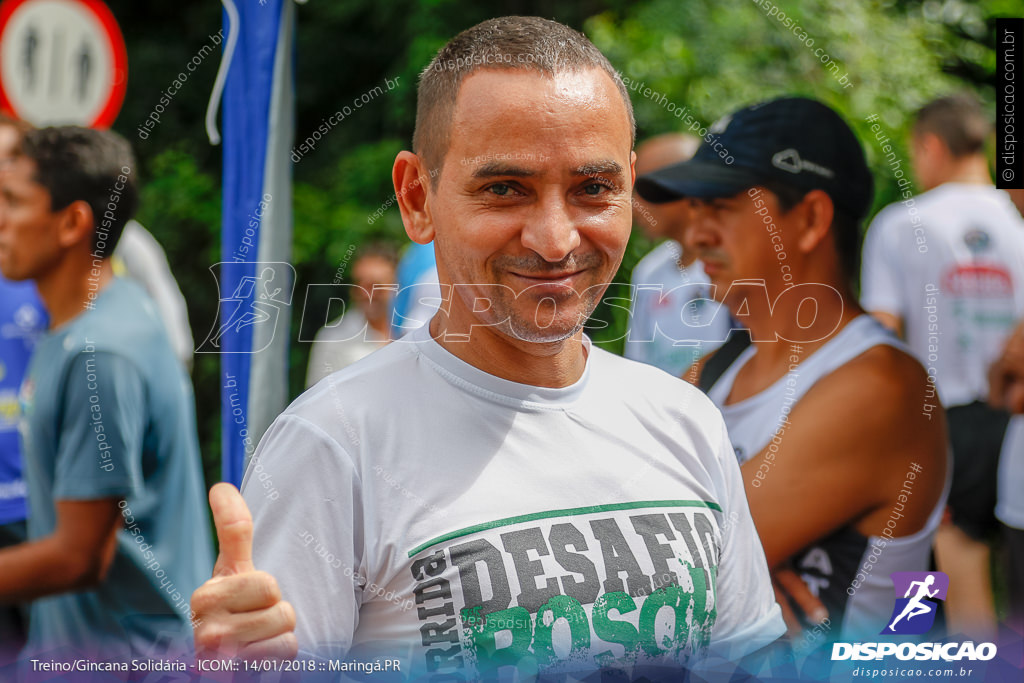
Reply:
x=115, y=98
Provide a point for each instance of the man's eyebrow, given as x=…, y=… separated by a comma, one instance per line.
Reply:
x=606, y=168
x=494, y=169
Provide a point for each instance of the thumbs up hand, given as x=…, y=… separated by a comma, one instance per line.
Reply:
x=239, y=612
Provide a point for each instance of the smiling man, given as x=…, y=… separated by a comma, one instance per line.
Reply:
x=493, y=496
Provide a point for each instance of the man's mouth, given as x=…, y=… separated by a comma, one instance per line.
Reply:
x=550, y=277
x=712, y=267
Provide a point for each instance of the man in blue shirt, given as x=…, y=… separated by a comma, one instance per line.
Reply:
x=22, y=320
x=118, y=534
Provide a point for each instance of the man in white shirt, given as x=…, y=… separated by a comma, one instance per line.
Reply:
x=140, y=257
x=673, y=320
x=945, y=270
x=492, y=496
x=366, y=324
x=1007, y=393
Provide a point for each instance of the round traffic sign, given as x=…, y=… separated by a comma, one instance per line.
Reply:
x=61, y=62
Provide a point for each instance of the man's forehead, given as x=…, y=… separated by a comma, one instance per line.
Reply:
x=570, y=82
x=530, y=103
x=534, y=124
x=373, y=264
x=9, y=138
x=18, y=173
x=19, y=168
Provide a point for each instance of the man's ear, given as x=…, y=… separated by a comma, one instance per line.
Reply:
x=76, y=225
x=934, y=147
x=412, y=192
x=816, y=213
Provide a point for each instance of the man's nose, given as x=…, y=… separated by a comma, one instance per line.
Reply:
x=552, y=231
x=701, y=231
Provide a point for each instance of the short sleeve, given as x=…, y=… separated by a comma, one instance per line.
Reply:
x=304, y=495
x=102, y=425
x=748, y=616
x=880, y=289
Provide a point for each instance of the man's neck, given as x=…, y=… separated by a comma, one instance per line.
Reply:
x=969, y=171
x=381, y=324
x=70, y=287
x=787, y=338
x=551, y=364
x=791, y=322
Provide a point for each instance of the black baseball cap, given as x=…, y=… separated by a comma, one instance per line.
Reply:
x=793, y=141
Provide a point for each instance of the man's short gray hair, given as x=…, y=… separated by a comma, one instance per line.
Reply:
x=528, y=43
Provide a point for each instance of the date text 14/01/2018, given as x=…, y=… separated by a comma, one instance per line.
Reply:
x=333, y=665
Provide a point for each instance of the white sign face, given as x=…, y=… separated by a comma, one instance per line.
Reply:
x=58, y=63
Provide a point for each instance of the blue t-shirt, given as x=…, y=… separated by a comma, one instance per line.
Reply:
x=109, y=413
x=22, y=320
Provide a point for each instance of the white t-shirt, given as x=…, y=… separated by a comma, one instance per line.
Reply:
x=145, y=262
x=1010, y=502
x=673, y=320
x=415, y=507
x=951, y=265
x=340, y=344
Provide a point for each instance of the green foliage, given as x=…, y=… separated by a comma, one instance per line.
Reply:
x=709, y=58
x=181, y=207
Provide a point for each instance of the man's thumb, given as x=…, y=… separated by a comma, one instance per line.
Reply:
x=234, y=530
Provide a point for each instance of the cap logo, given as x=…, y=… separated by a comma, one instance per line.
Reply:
x=721, y=124
x=789, y=160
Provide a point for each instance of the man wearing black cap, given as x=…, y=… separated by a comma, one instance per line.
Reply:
x=846, y=478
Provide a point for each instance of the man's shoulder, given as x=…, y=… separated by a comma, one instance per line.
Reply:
x=122, y=320
x=666, y=406
x=640, y=384
x=911, y=211
x=889, y=415
x=893, y=217
x=885, y=379
x=952, y=200
x=121, y=311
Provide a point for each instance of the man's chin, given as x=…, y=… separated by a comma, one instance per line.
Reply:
x=720, y=284
x=534, y=331
x=10, y=273
x=542, y=336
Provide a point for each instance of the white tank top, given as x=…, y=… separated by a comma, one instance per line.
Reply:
x=846, y=570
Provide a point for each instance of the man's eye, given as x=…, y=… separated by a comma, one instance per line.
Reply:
x=501, y=189
x=594, y=189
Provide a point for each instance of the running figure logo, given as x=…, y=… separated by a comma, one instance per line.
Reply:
x=256, y=302
x=914, y=613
